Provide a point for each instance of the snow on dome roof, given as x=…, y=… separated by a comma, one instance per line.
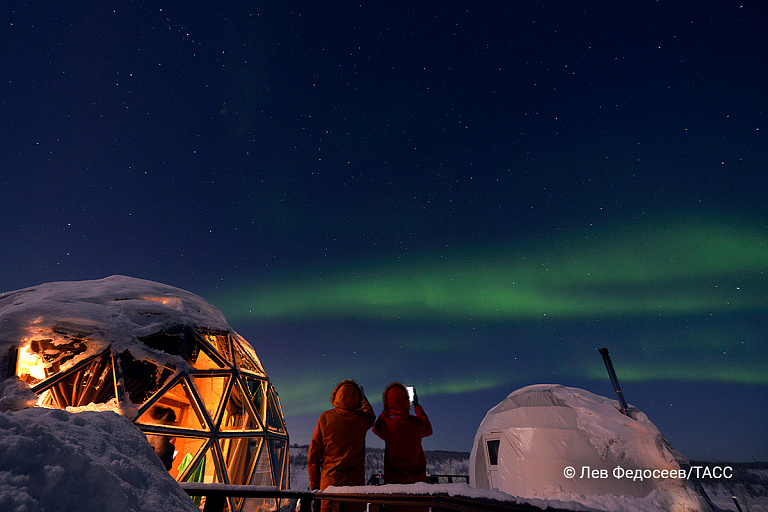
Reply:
x=117, y=310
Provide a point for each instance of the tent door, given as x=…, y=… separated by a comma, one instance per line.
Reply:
x=491, y=444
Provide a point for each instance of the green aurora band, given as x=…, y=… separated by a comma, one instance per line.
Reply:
x=672, y=268
x=656, y=273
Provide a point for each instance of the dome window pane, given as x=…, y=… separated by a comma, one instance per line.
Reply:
x=240, y=455
x=202, y=356
x=278, y=448
x=257, y=390
x=184, y=411
x=170, y=342
x=92, y=382
x=245, y=358
x=142, y=379
x=238, y=414
x=212, y=390
x=39, y=359
x=219, y=341
x=274, y=418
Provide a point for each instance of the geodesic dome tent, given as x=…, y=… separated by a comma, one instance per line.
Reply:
x=526, y=444
x=160, y=355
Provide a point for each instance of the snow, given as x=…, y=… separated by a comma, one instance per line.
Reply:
x=87, y=461
x=455, y=491
x=16, y=395
x=116, y=310
x=461, y=490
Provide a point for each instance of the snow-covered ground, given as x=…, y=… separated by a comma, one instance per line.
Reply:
x=749, y=482
x=54, y=460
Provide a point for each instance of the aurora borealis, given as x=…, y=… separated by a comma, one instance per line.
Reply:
x=668, y=269
x=678, y=302
x=466, y=198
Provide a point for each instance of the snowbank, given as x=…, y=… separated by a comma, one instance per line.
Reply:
x=16, y=395
x=90, y=462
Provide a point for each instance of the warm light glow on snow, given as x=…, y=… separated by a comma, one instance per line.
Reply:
x=165, y=301
x=30, y=364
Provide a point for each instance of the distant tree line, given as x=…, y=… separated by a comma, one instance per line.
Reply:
x=438, y=462
x=748, y=478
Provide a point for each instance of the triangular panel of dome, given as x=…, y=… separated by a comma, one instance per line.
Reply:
x=202, y=356
x=261, y=476
x=142, y=379
x=170, y=342
x=92, y=382
x=241, y=455
x=245, y=357
x=42, y=358
x=187, y=449
x=238, y=414
x=205, y=467
x=277, y=452
x=212, y=389
x=219, y=341
x=180, y=400
x=262, y=471
x=274, y=419
x=259, y=504
x=257, y=390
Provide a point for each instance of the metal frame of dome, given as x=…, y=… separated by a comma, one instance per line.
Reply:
x=226, y=415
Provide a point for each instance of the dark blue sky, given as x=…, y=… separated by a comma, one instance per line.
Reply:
x=467, y=198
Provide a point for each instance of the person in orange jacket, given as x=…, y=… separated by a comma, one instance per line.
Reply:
x=337, y=450
x=404, y=460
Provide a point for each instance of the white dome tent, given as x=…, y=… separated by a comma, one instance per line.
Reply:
x=525, y=445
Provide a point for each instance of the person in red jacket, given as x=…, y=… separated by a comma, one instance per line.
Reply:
x=337, y=450
x=404, y=460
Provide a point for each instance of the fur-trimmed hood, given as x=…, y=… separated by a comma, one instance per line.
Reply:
x=347, y=395
x=395, y=398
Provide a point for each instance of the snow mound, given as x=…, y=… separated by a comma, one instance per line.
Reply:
x=89, y=462
x=16, y=395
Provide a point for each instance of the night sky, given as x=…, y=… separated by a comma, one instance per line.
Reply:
x=469, y=197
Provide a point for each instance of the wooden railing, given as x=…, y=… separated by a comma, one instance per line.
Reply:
x=217, y=494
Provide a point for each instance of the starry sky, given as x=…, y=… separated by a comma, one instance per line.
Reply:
x=466, y=197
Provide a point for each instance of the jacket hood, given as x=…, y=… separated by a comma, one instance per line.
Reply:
x=347, y=395
x=396, y=400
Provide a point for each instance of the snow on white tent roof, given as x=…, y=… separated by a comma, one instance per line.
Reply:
x=525, y=445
